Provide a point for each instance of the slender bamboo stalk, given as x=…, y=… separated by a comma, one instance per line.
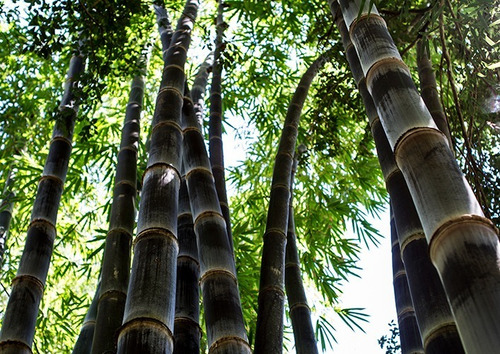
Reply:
x=269, y=333
x=6, y=207
x=463, y=245
x=200, y=86
x=83, y=344
x=436, y=323
x=428, y=89
x=116, y=258
x=215, y=124
x=221, y=301
x=411, y=341
x=150, y=305
x=27, y=287
x=300, y=313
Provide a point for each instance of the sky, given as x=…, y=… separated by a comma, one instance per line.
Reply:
x=373, y=290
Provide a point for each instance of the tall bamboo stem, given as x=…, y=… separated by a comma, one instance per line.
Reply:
x=300, y=313
x=269, y=333
x=6, y=207
x=436, y=323
x=83, y=344
x=116, y=258
x=463, y=245
x=27, y=287
x=150, y=305
x=215, y=124
x=221, y=301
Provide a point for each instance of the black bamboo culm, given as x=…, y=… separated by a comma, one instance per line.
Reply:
x=409, y=334
x=434, y=317
x=116, y=258
x=215, y=123
x=164, y=27
x=27, y=287
x=221, y=301
x=83, y=344
x=269, y=333
x=199, y=88
x=150, y=306
x=6, y=207
x=300, y=313
x=463, y=244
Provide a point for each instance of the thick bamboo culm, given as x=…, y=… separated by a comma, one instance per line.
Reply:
x=116, y=258
x=221, y=301
x=463, y=245
x=411, y=342
x=6, y=207
x=269, y=332
x=27, y=287
x=187, y=330
x=200, y=87
x=150, y=306
x=300, y=313
x=428, y=89
x=434, y=317
x=215, y=123
x=83, y=344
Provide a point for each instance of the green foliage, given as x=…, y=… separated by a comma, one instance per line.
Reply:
x=391, y=342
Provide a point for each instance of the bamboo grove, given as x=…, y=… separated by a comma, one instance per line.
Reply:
x=126, y=225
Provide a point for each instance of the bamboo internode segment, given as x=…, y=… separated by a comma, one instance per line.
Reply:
x=83, y=344
x=468, y=257
x=20, y=315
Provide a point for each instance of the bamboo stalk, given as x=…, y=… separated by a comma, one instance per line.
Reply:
x=411, y=341
x=300, y=313
x=6, y=206
x=116, y=258
x=27, y=287
x=436, y=323
x=216, y=149
x=83, y=344
x=463, y=245
x=223, y=315
x=269, y=332
x=150, y=306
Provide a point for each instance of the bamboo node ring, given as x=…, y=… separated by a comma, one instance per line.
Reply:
x=221, y=341
x=218, y=271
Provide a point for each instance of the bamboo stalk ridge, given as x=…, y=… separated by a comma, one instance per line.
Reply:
x=216, y=149
x=434, y=317
x=463, y=245
x=6, y=207
x=27, y=287
x=269, y=332
x=221, y=301
x=409, y=332
x=300, y=313
x=83, y=344
x=116, y=257
x=150, y=306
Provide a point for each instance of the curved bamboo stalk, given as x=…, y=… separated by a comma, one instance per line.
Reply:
x=27, y=287
x=300, y=313
x=434, y=317
x=428, y=89
x=411, y=341
x=116, y=258
x=215, y=123
x=6, y=207
x=83, y=344
x=223, y=316
x=269, y=332
x=463, y=245
x=150, y=305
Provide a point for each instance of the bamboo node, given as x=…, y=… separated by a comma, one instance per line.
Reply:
x=441, y=232
x=188, y=99
x=299, y=304
x=380, y=65
x=30, y=278
x=54, y=178
x=365, y=17
x=171, y=123
x=181, y=257
x=121, y=230
x=281, y=185
x=215, y=137
x=125, y=181
x=61, y=138
x=217, y=167
x=292, y=265
x=112, y=293
x=189, y=320
x=160, y=165
x=42, y=222
x=218, y=271
x=273, y=289
x=210, y=214
x=274, y=230
x=164, y=90
x=221, y=341
x=413, y=237
x=128, y=147
x=215, y=93
x=413, y=132
x=15, y=343
x=436, y=332
x=201, y=169
x=155, y=233
x=144, y=322
x=406, y=312
x=191, y=129
x=399, y=274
